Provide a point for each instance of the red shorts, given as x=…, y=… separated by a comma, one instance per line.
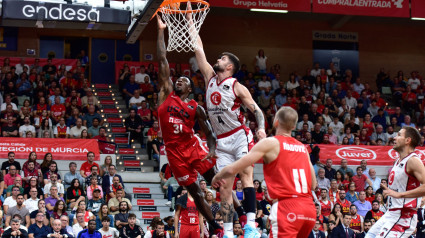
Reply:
x=189, y=231
x=185, y=161
x=289, y=222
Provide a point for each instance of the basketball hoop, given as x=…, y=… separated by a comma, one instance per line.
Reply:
x=183, y=34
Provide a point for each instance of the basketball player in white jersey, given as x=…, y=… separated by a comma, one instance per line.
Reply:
x=224, y=97
x=406, y=186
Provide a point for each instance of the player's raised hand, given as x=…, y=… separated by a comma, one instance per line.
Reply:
x=161, y=24
x=388, y=192
x=189, y=11
x=210, y=155
x=217, y=181
x=261, y=134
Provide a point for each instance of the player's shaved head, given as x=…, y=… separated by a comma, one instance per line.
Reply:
x=287, y=118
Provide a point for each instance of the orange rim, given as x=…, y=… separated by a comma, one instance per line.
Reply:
x=205, y=4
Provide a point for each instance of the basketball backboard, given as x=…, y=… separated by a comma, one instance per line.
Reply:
x=141, y=18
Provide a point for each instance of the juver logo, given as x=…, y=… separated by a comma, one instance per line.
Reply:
x=355, y=153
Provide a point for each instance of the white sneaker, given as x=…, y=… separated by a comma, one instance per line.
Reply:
x=168, y=204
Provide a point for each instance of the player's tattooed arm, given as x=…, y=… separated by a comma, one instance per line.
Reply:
x=208, y=131
x=165, y=82
x=258, y=116
x=226, y=211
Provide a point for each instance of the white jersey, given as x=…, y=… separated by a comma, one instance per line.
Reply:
x=400, y=181
x=223, y=106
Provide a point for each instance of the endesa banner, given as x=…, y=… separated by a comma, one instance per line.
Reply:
x=382, y=8
x=374, y=155
x=69, y=63
x=418, y=8
x=290, y=5
x=135, y=67
x=61, y=149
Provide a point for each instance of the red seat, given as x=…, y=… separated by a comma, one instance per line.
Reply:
x=119, y=130
x=110, y=110
x=104, y=94
x=131, y=163
x=107, y=102
x=101, y=85
x=114, y=120
x=121, y=140
x=150, y=215
x=145, y=202
x=126, y=151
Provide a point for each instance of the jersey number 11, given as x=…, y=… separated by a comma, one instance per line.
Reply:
x=300, y=180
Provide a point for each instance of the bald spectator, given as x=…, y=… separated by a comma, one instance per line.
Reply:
x=9, y=178
x=90, y=115
x=322, y=181
x=329, y=171
x=77, y=129
x=376, y=182
x=362, y=205
x=89, y=97
x=379, y=134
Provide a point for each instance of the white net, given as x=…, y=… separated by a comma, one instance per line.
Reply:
x=183, y=33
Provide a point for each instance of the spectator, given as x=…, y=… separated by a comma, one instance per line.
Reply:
x=8, y=101
x=26, y=127
x=407, y=122
x=82, y=208
x=344, y=230
x=9, y=178
x=360, y=180
x=365, y=169
x=85, y=101
x=17, y=182
x=375, y=212
x=85, y=169
x=61, y=130
x=94, y=174
x=134, y=125
x=15, y=230
x=57, y=231
x=336, y=214
x=258, y=190
x=71, y=175
x=90, y=232
x=95, y=203
x=334, y=191
x=11, y=201
x=347, y=134
x=316, y=233
x=58, y=211
x=103, y=141
x=42, y=209
x=104, y=212
x=94, y=129
x=54, y=182
x=58, y=110
x=131, y=230
x=336, y=126
x=153, y=143
x=114, y=203
x=369, y=194
x=121, y=218
x=136, y=101
x=171, y=186
x=20, y=210
x=10, y=130
x=65, y=225
x=342, y=184
x=376, y=181
x=238, y=191
x=75, y=193
x=106, y=230
x=317, y=134
x=362, y=205
x=90, y=115
x=344, y=168
x=38, y=229
x=75, y=131
x=352, y=195
x=31, y=168
x=322, y=219
x=326, y=206
x=93, y=187
x=52, y=199
x=380, y=119
x=391, y=134
x=104, y=168
x=356, y=220
x=111, y=182
x=329, y=171
x=32, y=202
x=322, y=181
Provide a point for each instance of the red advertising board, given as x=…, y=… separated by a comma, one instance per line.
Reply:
x=290, y=5
x=141, y=190
x=374, y=155
x=418, y=8
x=135, y=67
x=382, y=8
x=69, y=63
x=61, y=149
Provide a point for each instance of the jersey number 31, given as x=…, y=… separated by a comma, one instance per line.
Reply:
x=178, y=128
x=300, y=180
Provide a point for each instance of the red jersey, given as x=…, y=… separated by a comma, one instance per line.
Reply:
x=153, y=133
x=345, y=206
x=39, y=109
x=86, y=167
x=62, y=131
x=289, y=175
x=189, y=215
x=57, y=111
x=359, y=181
x=356, y=223
x=321, y=219
x=176, y=119
x=377, y=215
x=369, y=127
x=326, y=209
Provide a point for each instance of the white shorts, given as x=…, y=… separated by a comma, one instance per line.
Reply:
x=231, y=148
x=398, y=223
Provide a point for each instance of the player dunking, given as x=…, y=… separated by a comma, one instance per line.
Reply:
x=406, y=186
x=289, y=175
x=224, y=97
x=177, y=115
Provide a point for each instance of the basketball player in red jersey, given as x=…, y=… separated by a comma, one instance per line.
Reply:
x=189, y=218
x=224, y=97
x=289, y=175
x=177, y=114
x=406, y=186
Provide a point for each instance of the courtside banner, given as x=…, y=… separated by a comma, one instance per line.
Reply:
x=290, y=5
x=61, y=149
x=382, y=8
x=135, y=67
x=374, y=155
x=418, y=8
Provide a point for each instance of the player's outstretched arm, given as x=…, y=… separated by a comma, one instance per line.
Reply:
x=243, y=93
x=268, y=149
x=206, y=69
x=416, y=168
x=207, y=129
x=165, y=82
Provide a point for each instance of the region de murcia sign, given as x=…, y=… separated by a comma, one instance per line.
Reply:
x=34, y=10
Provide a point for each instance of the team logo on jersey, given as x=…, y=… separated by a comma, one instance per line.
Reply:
x=391, y=178
x=226, y=87
x=190, y=107
x=291, y=217
x=184, y=178
x=215, y=98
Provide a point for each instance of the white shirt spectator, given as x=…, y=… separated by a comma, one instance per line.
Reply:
x=264, y=84
x=376, y=183
x=31, y=204
x=25, y=128
x=391, y=136
x=315, y=72
x=414, y=83
x=60, y=187
x=3, y=106
x=137, y=100
x=301, y=123
x=261, y=62
x=358, y=88
x=140, y=78
x=111, y=233
x=76, y=132
x=55, y=131
x=351, y=102
x=337, y=128
x=76, y=228
x=20, y=68
x=9, y=201
x=275, y=84
x=290, y=86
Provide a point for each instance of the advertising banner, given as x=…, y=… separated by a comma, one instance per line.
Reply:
x=382, y=8
x=374, y=155
x=418, y=8
x=61, y=149
x=289, y=5
x=135, y=67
